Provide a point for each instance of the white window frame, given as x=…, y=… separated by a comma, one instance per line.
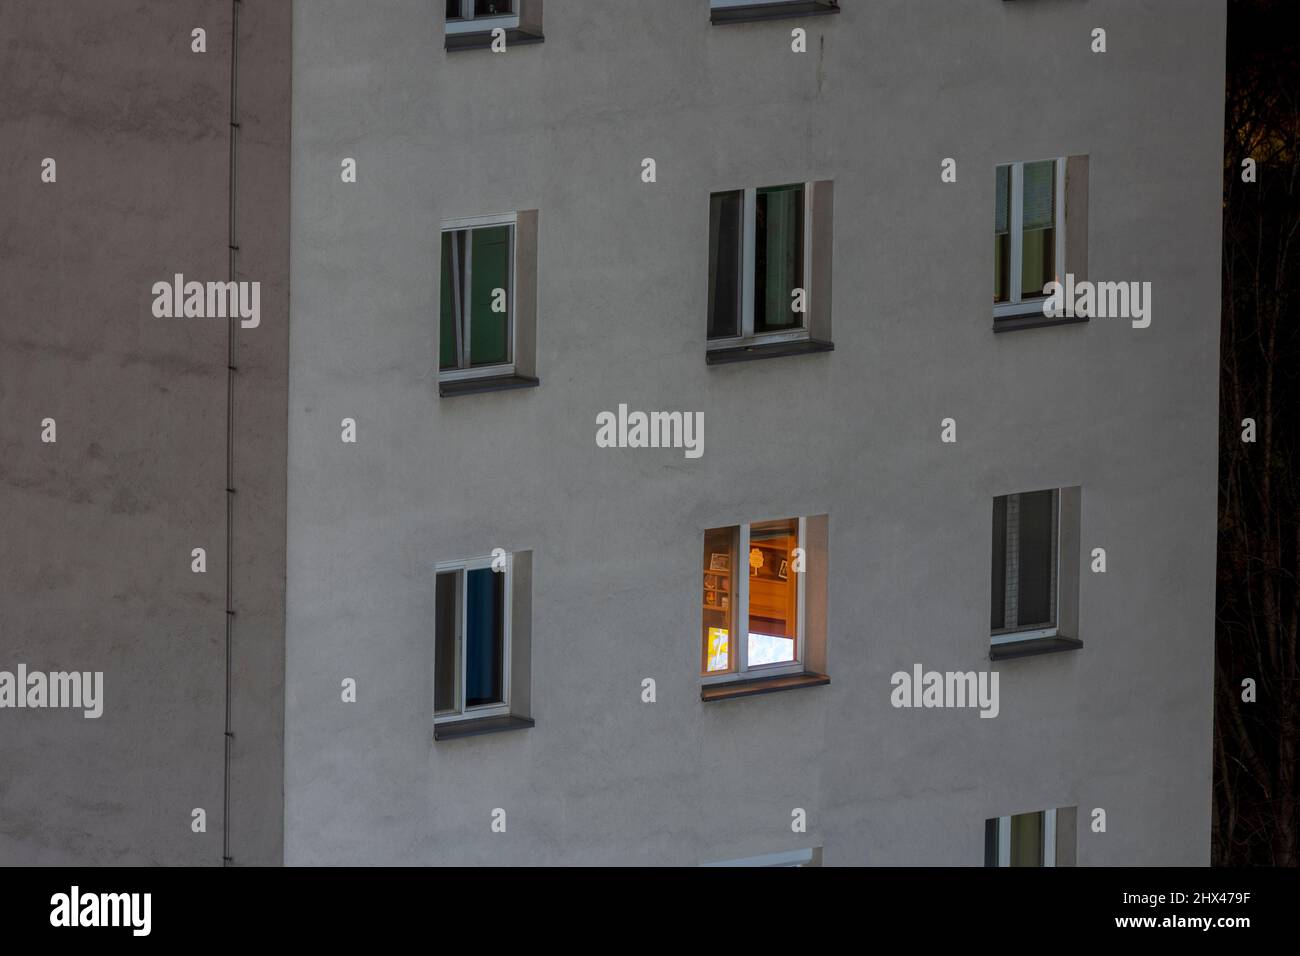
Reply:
x=461, y=569
x=468, y=23
x=741, y=607
x=748, y=253
x=1049, y=838
x=471, y=223
x=1005, y=636
x=1015, y=305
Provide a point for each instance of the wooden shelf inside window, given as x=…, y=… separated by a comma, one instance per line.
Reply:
x=718, y=591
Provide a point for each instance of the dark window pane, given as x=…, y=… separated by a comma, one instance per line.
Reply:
x=991, y=842
x=450, y=297
x=726, y=211
x=778, y=257
x=444, y=643
x=1037, y=559
x=1002, y=237
x=1001, y=267
x=492, y=8
x=1038, y=262
x=998, y=598
x=453, y=9
x=484, y=637
x=489, y=340
x=1027, y=839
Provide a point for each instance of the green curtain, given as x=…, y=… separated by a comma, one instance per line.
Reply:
x=778, y=257
x=489, y=340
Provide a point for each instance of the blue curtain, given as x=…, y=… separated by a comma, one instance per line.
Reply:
x=484, y=636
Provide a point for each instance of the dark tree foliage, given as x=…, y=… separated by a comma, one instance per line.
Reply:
x=1255, y=773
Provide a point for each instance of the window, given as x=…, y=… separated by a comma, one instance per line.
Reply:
x=1026, y=532
x=758, y=263
x=1026, y=839
x=474, y=16
x=1028, y=235
x=1034, y=597
x=750, y=577
x=477, y=298
x=472, y=652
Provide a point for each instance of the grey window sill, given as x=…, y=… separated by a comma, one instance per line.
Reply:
x=1033, y=647
x=773, y=11
x=760, y=685
x=481, y=41
x=455, y=729
x=752, y=353
x=472, y=386
x=1034, y=320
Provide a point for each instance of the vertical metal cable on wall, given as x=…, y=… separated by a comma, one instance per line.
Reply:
x=233, y=245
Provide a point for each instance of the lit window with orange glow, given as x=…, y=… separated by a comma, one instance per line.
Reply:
x=752, y=580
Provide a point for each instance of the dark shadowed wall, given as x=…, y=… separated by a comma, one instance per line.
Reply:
x=97, y=528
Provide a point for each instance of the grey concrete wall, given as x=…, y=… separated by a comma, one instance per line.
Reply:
x=886, y=91
x=97, y=529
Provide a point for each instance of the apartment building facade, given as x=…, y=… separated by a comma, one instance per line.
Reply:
x=643, y=456
x=522, y=629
